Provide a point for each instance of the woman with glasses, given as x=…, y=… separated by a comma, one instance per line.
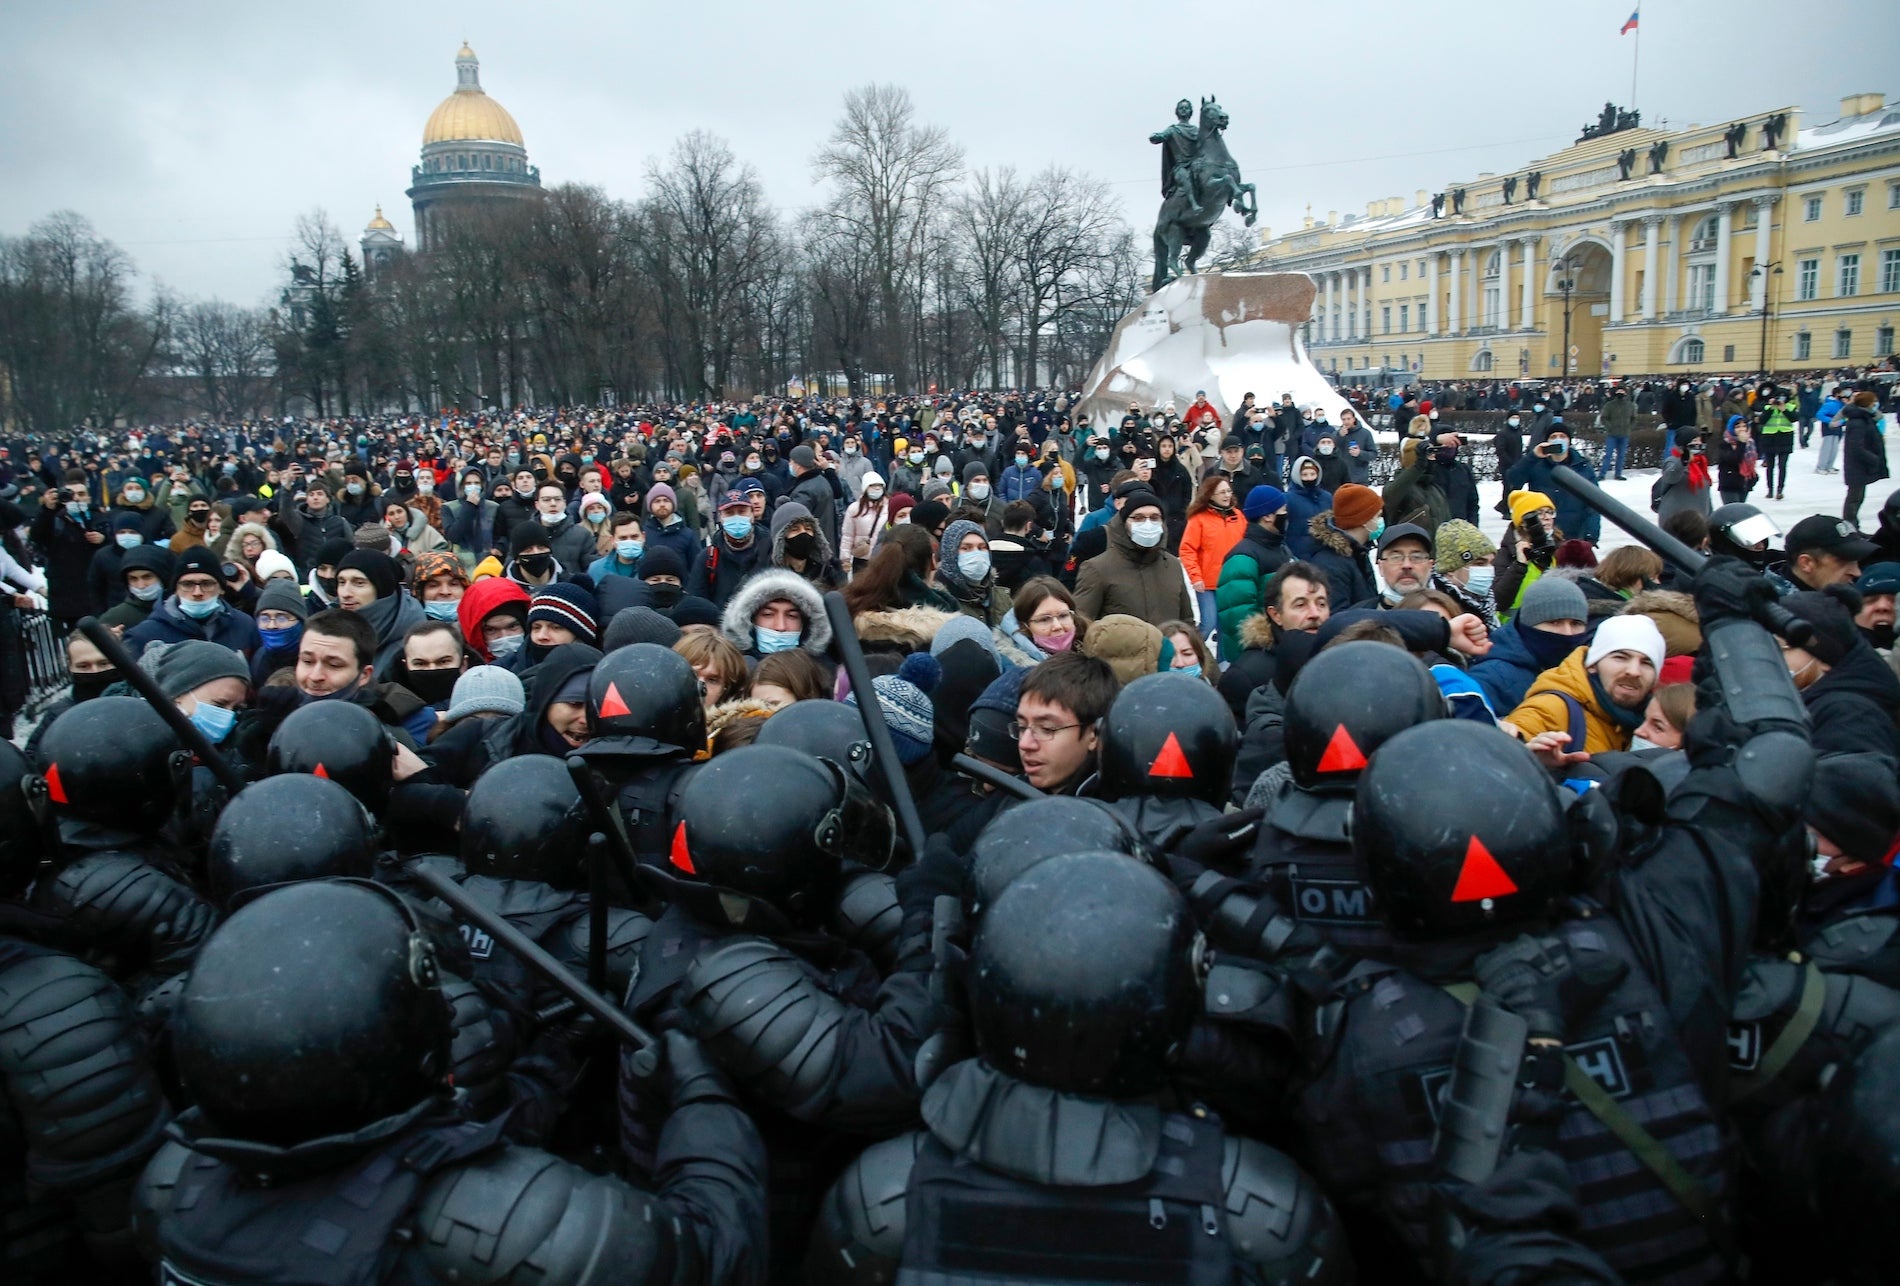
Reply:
x=1044, y=621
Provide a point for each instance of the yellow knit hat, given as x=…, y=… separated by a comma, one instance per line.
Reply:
x=1525, y=503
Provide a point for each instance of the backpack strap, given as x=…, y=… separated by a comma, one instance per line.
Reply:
x=1578, y=726
x=1800, y=1026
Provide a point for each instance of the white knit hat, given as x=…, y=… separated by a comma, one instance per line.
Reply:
x=1627, y=634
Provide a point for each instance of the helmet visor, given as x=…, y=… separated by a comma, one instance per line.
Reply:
x=1754, y=530
x=858, y=828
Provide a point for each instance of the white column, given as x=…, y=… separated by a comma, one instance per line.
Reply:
x=1431, y=294
x=1455, y=320
x=1335, y=321
x=1527, y=306
x=1365, y=305
x=1652, y=225
x=1724, y=237
x=1619, y=234
x=1352, y=304
x=1504, y=285
x=1672, y=264
x=1758, y=287
x=1326, y=312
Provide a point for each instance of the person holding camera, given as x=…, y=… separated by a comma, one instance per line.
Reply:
x=1529, y=542
x=67, y=530
x=1535, y=472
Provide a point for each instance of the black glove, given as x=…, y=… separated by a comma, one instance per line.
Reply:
x=685, y=1074
x=1526, y=976
x=1728, y=589
x=940, y=871
x=1219, y=842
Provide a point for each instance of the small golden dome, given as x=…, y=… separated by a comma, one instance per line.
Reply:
x=379, y=223
x=469, y=114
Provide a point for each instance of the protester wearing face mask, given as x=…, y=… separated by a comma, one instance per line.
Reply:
x=438, y=582
x=1667, y=717
x=494, y=620
x=433, y=658
x=1852, y=811
x=1260, y=551
x=196, y=609
x=1464, y=569
x=964, y=568
x=1534, y=473
x=206, y=681
x=68, y=533
x=799, y=545
x=1852, y=696
x=776, y=611
x=1136, y=576
x=665, y=577
x=143, y=576
x=470, y=520
x=281, y=613
x=731, y=555
x=1043, y=621
x=155, y=520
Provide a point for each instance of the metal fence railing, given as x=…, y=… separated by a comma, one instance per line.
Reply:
x=45, y=660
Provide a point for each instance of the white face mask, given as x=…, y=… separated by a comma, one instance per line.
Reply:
x=1146, y=534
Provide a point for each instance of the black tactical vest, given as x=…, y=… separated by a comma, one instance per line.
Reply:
x=966, y=1225
x=649, y=801
x=337, y=1228
x=1371, y=1113
x=1303, y=859
x=1862, y=942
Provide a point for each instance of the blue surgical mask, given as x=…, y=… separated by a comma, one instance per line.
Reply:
x=1376, y=530
x=1480, y=581
x=973, y=564
x=437, y=609
x=128, y=539
x=771, y=641
x=279, y=637
x=739, y=528
x=507, y=645
x=199, y=611
x=146, y=593
x=214, y=721
x=629, y=550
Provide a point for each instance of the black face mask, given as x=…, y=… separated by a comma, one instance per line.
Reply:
x=801, y=545
x=536, y=564
x=666, y=596
x=435, y=687
x=88, y=686
x=328, y=585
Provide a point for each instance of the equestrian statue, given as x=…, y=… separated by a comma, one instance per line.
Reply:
x=1198, y=180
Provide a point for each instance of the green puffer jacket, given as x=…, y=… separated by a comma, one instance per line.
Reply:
x=1243, y=579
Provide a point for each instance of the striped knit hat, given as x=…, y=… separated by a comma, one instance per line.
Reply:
x=566, y=604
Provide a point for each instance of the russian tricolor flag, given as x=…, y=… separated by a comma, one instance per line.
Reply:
x=1631, y=24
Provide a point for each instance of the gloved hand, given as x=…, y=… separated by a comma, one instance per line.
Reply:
x=685, y=1074
x=940, y=871
x=1527, y=976
x=1729, y=589
x=1219, y=842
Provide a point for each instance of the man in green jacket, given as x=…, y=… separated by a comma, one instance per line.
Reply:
x=1619, y=417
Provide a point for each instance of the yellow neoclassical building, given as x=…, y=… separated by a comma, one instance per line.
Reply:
x=1766, y=241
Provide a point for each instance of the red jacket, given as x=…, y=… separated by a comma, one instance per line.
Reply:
x=1199, y=414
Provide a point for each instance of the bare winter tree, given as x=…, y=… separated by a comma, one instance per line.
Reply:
x=887, y=174
x=226, y=351
x=1068, y=234
x=989, y=219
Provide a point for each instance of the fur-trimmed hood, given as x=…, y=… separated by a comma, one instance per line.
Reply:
x=762, y=588
x=910, y=628
x=257, y=529
x=789, y=512
x=727, y=713
x=1256, y=631
x=1675, y=615
x=1327, y=536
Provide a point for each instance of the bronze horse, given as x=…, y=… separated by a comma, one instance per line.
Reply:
x=1187, y=219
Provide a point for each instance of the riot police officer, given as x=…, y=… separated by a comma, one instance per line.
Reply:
x=313, y=1038
x=1624, y=995
x=1167, y=756
x=646, y=721
x=1058, y=1148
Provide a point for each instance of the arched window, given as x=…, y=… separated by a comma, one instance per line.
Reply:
x=1481, y=361
x=1689, y=351
x=1703, y=238
x=1492, y=264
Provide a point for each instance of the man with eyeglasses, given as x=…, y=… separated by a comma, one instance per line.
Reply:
x=1406, y=558
x=196, y=609
x=1058, y=718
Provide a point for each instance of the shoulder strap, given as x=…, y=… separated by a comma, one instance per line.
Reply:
x=1807, y=1015
x=1578, y=727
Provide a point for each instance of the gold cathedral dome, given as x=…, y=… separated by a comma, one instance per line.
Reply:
x=469, y=114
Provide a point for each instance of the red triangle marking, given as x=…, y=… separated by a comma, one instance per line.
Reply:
x=680, y=856
x=1481, y=877
x=611, y=704
x=54, y=790
x=1171, y=762
x=319, y=772
x=1342, y=753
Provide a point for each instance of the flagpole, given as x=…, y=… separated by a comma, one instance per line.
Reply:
x=1636, y=55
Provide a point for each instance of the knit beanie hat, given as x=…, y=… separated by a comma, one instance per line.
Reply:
x=1855, y=802
x=1263, y=500
x=526, y=535
x=990, y=717
x=974, y=469
x=1135, y=495
x=1525, y=503
x=1460, y=544
x=282, y=596
x=128, y=520
x=1834, y=630
x=659, y=560
x=382, y=571
x=639, y=625
x=197, y=560
x=900, y=501
x=1627, y=634
x=1551, y=598
x=904, y=698
x=959, y=629
x=662, y=489
x=1355, y=506
x=804, y=457
x=486, y=689
x=191, y=664
x=935, y=490
x=372, y=535
x=566, y=604
x=1579, y=554
x=270, y=563
x=929, y=511
x=330, y=552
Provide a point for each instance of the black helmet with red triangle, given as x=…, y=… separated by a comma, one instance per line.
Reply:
x=108, y=761
x=1346, y=702
x=1457, y=830
x=644, y=699
x=1169, y=736
x=342, y=741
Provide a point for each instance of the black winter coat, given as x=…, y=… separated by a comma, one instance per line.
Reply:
x=1863, y=450
x=62, y=540
x=1854, y=706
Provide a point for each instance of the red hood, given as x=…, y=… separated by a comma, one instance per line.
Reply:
x=483, y=597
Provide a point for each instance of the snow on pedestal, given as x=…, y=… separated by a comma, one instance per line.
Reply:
x=1230, y=333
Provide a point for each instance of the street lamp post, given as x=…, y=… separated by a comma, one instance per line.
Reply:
x=1567, y=283
x=1769, y=271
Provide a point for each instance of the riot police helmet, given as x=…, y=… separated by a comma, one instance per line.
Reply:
x=1169, y=736
x=1457, y=829
x=339, y=740
x=828, y=729
x=313, y=1012
x=108, y=761
x=1019, y=837
x=1347, y=702
x=1745, y=532
x=771, y=824
x=288, y=828
x=644, y=699
x=1083, y=976
x=524, y=820
x=20, y=846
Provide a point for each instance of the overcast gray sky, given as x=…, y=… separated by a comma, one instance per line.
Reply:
x=193, y=134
